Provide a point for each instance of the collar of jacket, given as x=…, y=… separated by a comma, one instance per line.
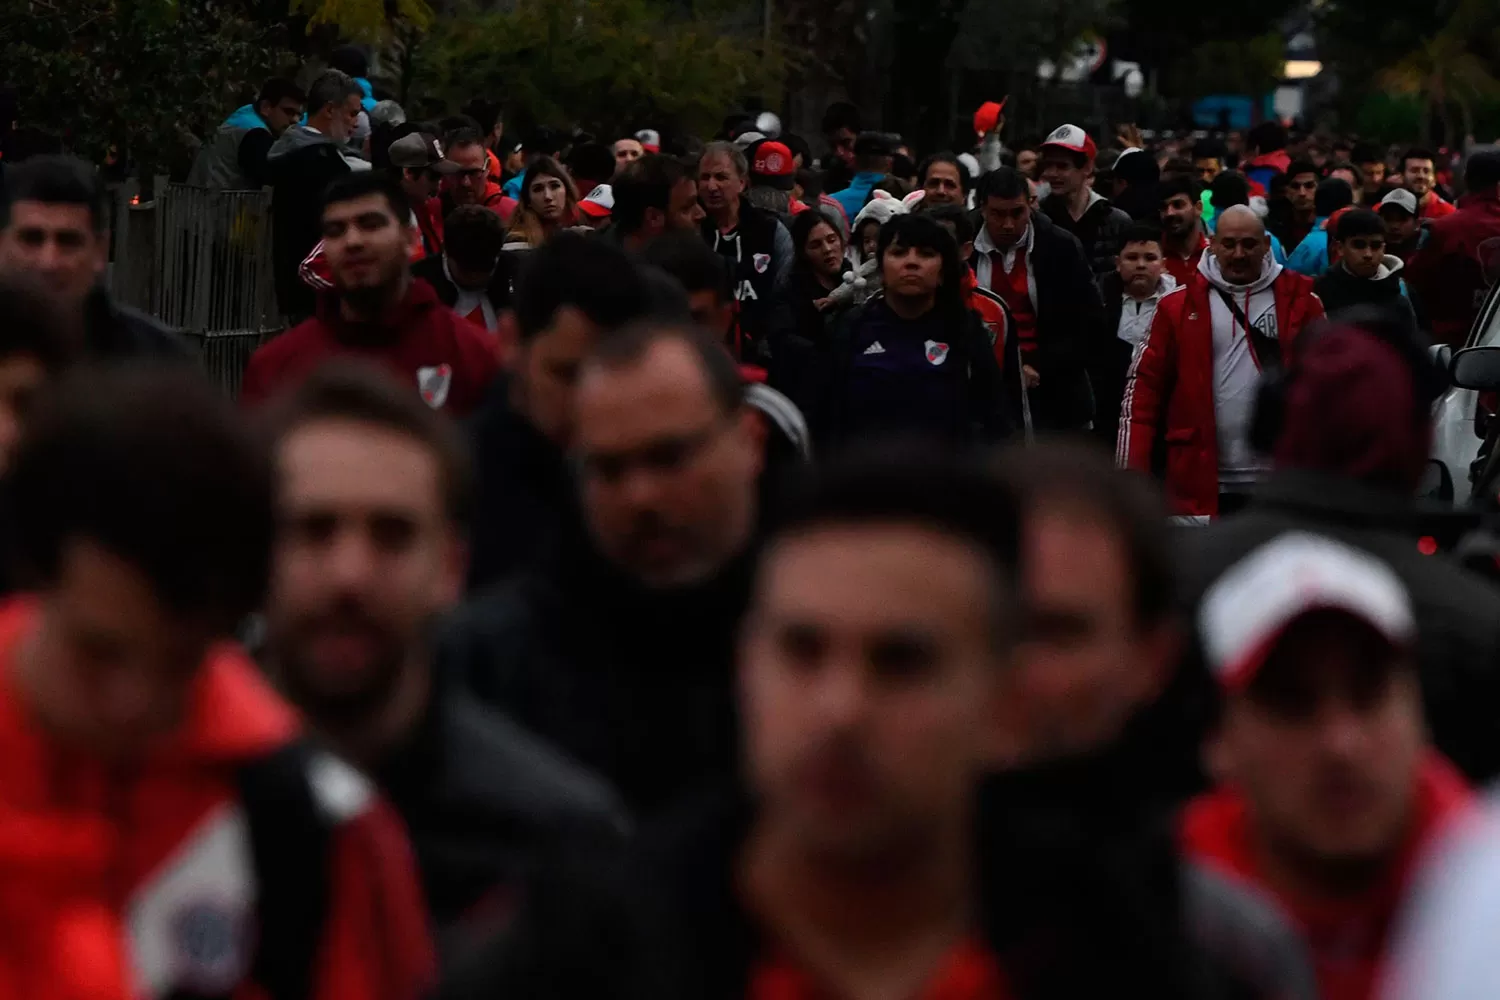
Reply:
x=420, y=298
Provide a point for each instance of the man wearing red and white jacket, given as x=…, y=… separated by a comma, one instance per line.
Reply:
x=1192, y=385
x=1332, y=796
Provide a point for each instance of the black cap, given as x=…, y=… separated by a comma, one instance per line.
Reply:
x=876, y=144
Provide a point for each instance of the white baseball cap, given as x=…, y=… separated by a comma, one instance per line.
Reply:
x=1402, y=199
x=650, y=140
x=1253, y=604
x=1073, y=138
x=599, y=203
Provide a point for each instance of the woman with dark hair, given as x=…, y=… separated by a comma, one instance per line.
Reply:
x=914, y=360
x=799, y=318
x=549, y=202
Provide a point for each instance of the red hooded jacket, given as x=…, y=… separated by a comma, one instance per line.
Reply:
x=450, y=360
x=1447, y=272
x=991, y=309
x=1169, y=393
x=1347, y=937
x=119, y=885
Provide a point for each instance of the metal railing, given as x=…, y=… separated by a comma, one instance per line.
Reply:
x=201, y=262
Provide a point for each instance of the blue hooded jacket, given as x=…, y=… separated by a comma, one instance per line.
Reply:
x=368, y=101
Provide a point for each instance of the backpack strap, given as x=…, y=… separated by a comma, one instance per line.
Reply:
x=291, y=843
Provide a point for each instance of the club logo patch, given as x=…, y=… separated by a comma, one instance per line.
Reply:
x=434, y=384
x=762, y=262
x=936, y=353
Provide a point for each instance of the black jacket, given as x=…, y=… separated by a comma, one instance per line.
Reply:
x=430, y=269
x=797, y=331
x=1458, y=614
x=1341, y=290
x=1101, y=229
x=758, y=255
x=118, y=333
x=1076, y=898
x=485, y=802
x=988, y=413
x=300, y=168
x=525, y=499
x=1070, y=328
x=636, y=685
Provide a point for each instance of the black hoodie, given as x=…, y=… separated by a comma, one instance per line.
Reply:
x=1341, y=290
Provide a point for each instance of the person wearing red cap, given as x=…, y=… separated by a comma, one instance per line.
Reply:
x=1330, y=794
x=773, y=174
x=1074, y=206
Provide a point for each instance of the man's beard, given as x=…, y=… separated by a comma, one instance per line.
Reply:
x=369, y=299
x=343, y=704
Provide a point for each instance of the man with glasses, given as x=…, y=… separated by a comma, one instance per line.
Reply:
x=468, y=183
x=622, y=654
x=1193, y=383
x=1365, y=274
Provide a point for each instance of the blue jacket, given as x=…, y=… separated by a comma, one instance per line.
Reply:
x=857, y=194
x=368, y=101
x=512, y=187
x=1311, y=256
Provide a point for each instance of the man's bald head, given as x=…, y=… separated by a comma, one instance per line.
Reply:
x=1240, y=245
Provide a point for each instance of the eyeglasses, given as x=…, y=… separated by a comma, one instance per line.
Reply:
x=471, y=173
x=1364, y=243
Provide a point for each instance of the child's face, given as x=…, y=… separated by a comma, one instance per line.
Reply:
x=22, y=377
x=869, y=241
x=1363, y=254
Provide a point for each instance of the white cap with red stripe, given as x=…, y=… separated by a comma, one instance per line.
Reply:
x=1251, y=606
x=1072, y=138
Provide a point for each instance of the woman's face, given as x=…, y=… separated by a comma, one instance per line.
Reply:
x=824, y=250
x=869, y=240
x=548, y=197
x=914, y=272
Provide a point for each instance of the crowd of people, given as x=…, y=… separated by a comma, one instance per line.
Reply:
x=661, y=569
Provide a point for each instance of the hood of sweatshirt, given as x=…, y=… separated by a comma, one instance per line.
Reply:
x=1208, y=266
x=296, y=138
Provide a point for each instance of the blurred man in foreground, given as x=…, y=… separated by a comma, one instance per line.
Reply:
x=1330, y=792
x=179, y=834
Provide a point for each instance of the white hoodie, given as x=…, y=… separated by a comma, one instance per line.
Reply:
x=1136, y=315
x=1235, y=374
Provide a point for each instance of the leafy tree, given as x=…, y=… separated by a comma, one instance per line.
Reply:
x=602, y=64
x=1199, y=48
x=1229, y=66
x=366, y=20
x=136, y=78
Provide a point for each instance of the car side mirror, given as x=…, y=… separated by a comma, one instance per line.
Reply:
x=1476, y=368
x=1437, y=483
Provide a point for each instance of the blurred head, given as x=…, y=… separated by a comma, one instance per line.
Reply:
x=34, y=351
x=1323, y=729
x=819, y=246
x=1349, y=174
x=1418, y=172
x=572, y=290
x=722, y=174
x=55, y=229
x=1098, y=646
x=867, y=238
x=280, y=104
x=333, y=104
x=470, y=178
x=1267, y=137
x=841, y=126
x=548, y=192
x=473, y=240
x=1140, y=261
x=1005, y=202
x=943, y=180
x=669, y=454
x=125, y=482
x=1208, y=160
x=372, y=491
x=366, y=238
x=1301, y=185
x=702, y=273
x=1482, y=172
x=1240, y=245
x=1360, y=238
x=1029, y=162
x=960, y=225
x=656, y=195
x=1371, y=163
x=875, y=657
x=1181, y=207
x=918, y=259
x=627, y=151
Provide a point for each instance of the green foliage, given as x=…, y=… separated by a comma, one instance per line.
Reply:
x=363, y=20
x=602, y=64
x=1184, y=39
x=143, y=78
x=1229, y=66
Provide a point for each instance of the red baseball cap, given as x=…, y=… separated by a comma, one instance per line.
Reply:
x=988, y=116
x=1073, y=139
x=599, y=203
x=771, y=163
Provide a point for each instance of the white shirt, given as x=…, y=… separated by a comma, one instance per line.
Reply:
x=1236, y=377
x=468, y=301
x=1136, y=314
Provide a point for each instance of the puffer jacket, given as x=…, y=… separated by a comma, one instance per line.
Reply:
x=1101, y=228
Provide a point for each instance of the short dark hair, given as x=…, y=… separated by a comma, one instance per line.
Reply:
x=349, y=59
x=692, y=262
x=646, y=183
x=331, y=87
x=278, y=89
x=591, y=275
x=942, y=491
x=464, y=135
x=1229, y=189
x=956, y=216
x=1210, y=149
x=1059, y=474
x=948, y=158
x=842, y=115
x=157, y=467
x=1353, y=168
x=1006, y=182
x=629, y=347
x=811, y=182
x=1358, y=222
x=1172, y=187
x=1366, y=152
x=1482, y=172
x=1267, y=137
x=57, y=180
x=473, y=236
x=591, y=161
x=1140, y=232
x=1417, y=153
x=351, y=186
x=1333, y=194
x=359, y=391
x=1303, y=166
